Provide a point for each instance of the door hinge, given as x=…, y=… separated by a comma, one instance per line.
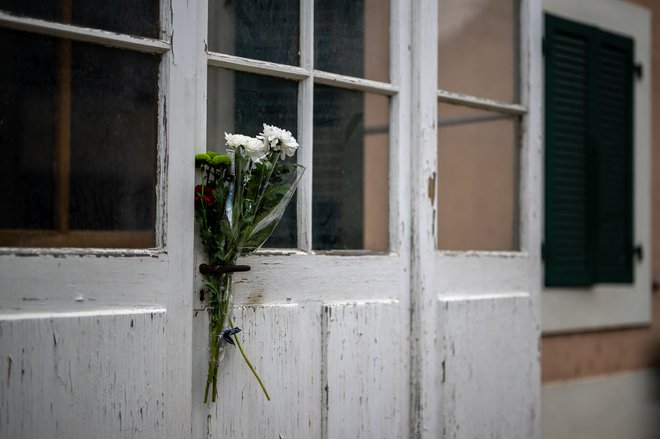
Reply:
x=639, y=70
x=638, y=252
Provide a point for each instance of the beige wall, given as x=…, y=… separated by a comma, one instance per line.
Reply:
x=595, y=353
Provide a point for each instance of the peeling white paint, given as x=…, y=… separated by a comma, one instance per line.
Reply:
x=282, y=342
x=489, y=385
x=83, y=376
x=364, y=370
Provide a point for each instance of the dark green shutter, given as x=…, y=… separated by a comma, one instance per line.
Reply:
x=588, y=170
x=567, y=67
x=614, y=262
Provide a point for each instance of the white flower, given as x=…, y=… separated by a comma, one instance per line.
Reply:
x=279, y=140
x=256, y=149
x=236, y=140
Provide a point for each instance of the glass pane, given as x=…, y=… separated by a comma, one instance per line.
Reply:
x=352, y=37
x=259, y=29
x=477, y=43
x=79, y=130
x=134, y=17
x=241, y=103
x=27, y=131
x=350, y=200
x=477, y=180
x=113, y=138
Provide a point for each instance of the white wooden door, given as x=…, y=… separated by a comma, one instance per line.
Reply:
x=97, y=342
x=325, y=321
x=475, y=297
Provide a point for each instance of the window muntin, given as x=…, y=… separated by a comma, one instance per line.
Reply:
x=315, y=84
x=81, y=131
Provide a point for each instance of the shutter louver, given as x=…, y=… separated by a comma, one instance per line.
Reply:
x=566, y=194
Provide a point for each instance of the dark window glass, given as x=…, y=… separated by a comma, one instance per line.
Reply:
x=113, y=138
x=241, y=103
x=350, y=180
x=260, y=29
x=78, y=125
x=27, y=131
x=352, y=37
x=133, y=17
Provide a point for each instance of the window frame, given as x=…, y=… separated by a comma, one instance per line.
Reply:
x=61, y=236
x=46, y=265
x=337, y=273
x=502, y=271
x=613, y=305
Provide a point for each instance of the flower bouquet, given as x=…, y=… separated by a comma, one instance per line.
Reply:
x=240, y=201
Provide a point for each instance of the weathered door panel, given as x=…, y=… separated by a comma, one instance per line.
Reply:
x=84, y=375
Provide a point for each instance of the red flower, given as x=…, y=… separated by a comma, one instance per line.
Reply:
x=207, y=196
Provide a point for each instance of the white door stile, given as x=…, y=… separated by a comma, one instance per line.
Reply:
x=400, y=223
x=531, y=195
x=424, y=359
x=187, y=135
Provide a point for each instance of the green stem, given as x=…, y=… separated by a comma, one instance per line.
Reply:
x=212, y=377
x=254, y=372
x=220, y=296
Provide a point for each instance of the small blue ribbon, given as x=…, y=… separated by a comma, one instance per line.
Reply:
x=227, y=333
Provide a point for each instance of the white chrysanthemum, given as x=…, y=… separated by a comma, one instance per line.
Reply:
x=279, y=140
x=256, y=149
x=236, y=140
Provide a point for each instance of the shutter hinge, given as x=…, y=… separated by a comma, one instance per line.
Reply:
x=638, y=252
x=638, y=69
